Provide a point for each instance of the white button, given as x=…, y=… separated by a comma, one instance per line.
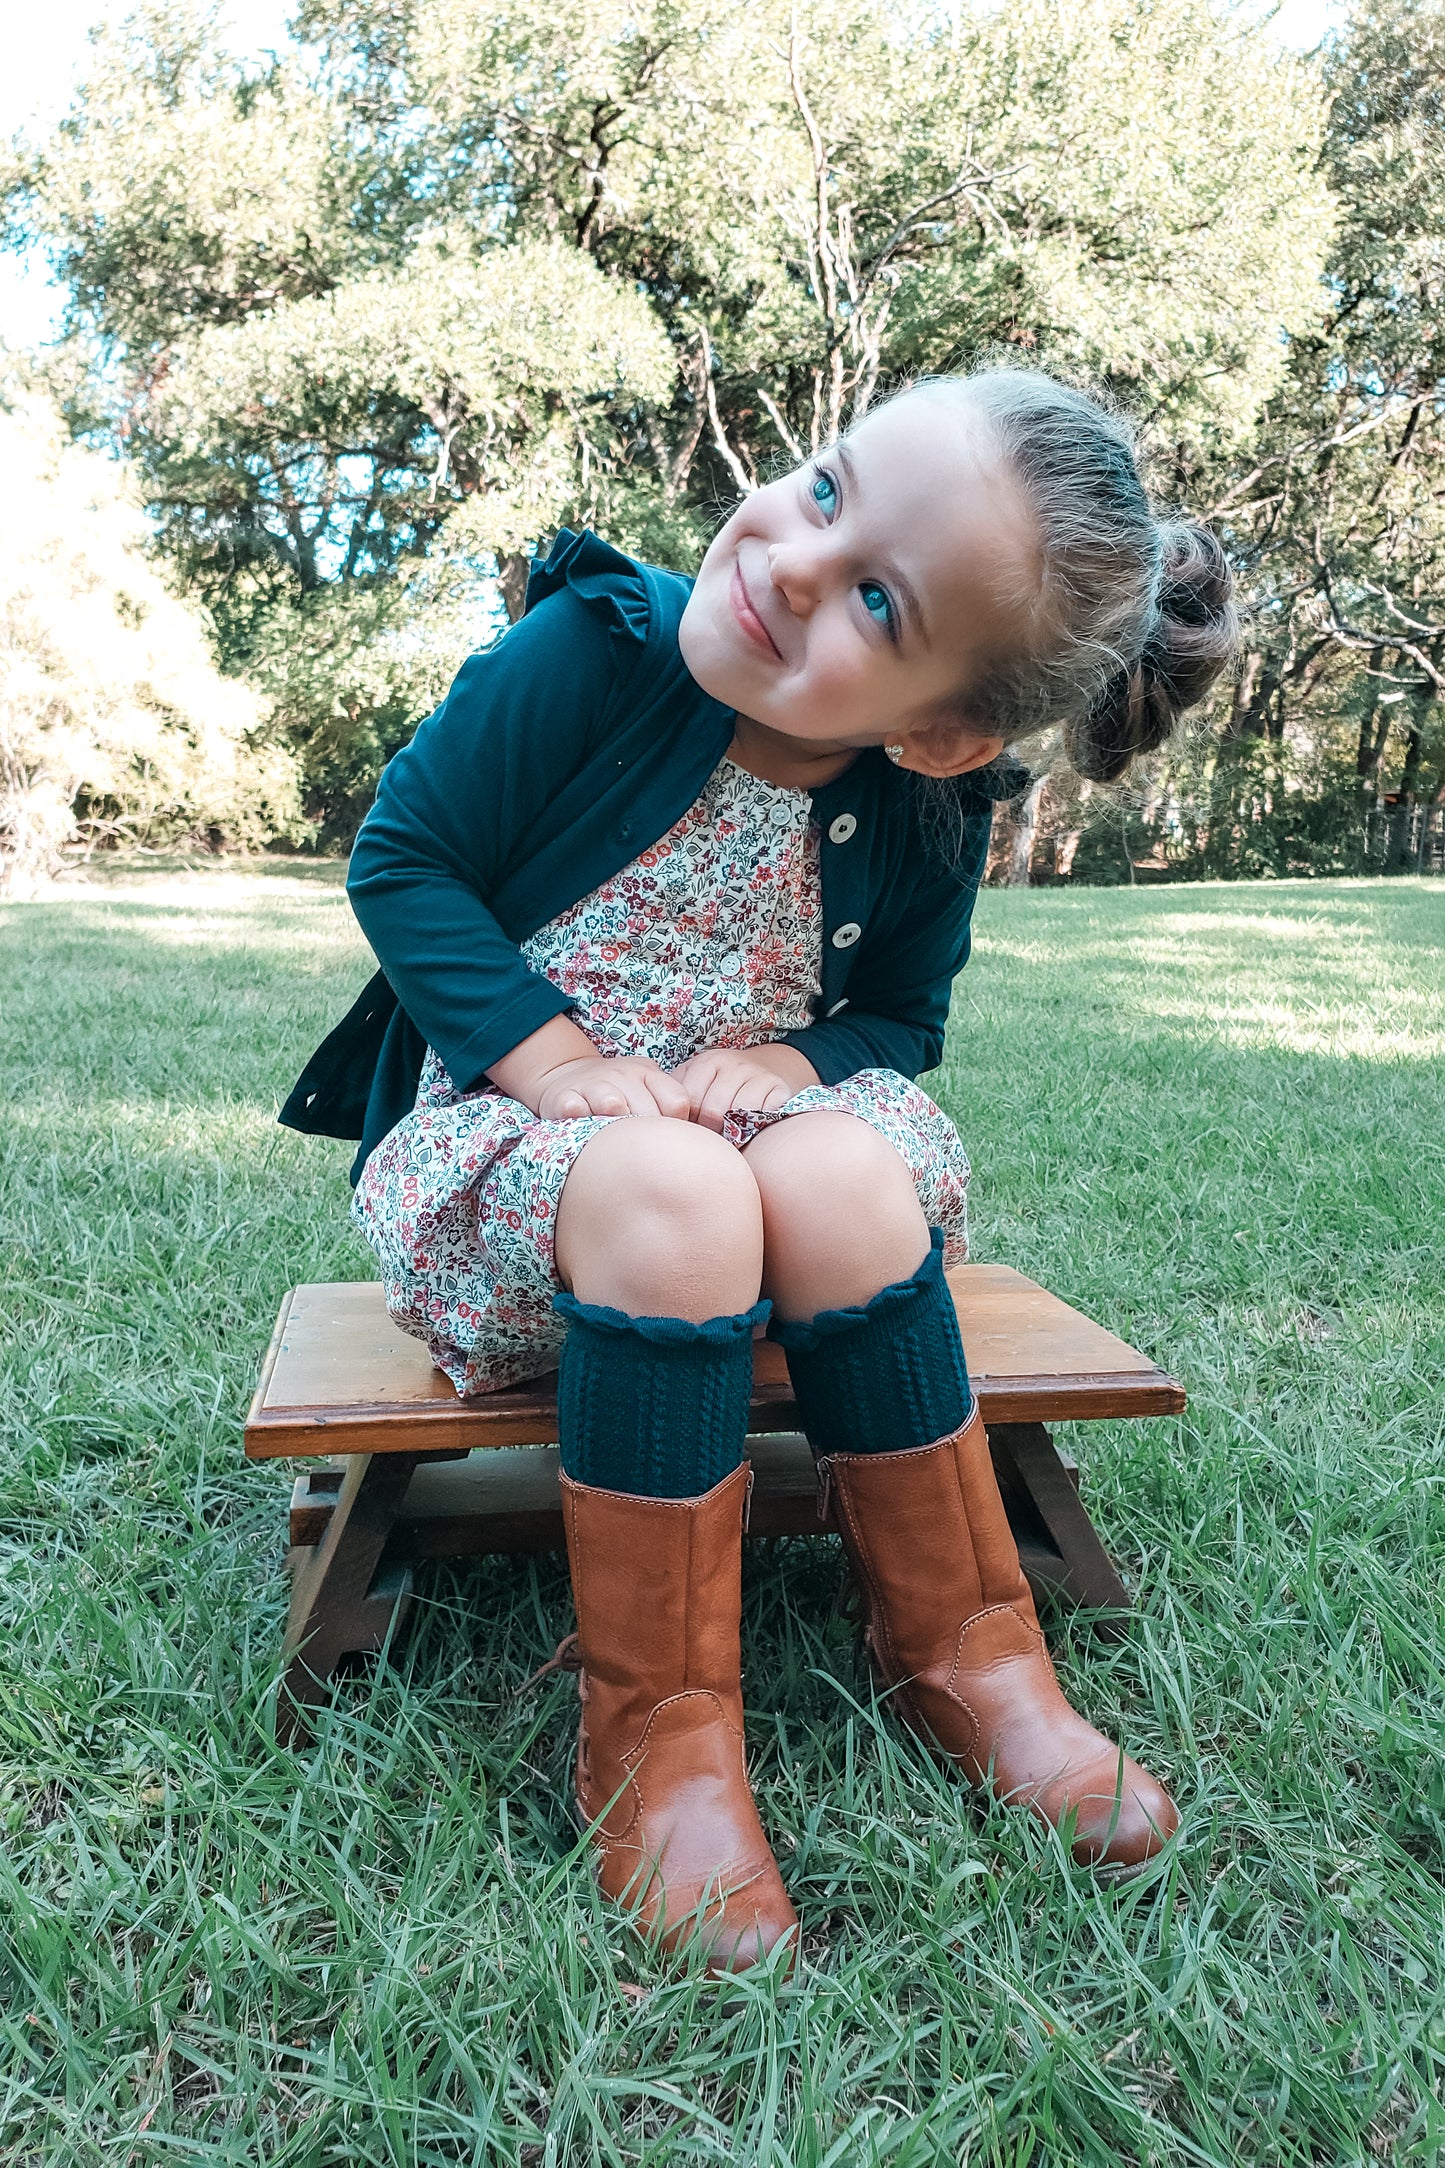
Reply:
x=731, y=964
x=780, y=815
x=846, y=935
x=842, y=828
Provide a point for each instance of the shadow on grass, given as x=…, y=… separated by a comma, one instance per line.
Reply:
x=383, y=1950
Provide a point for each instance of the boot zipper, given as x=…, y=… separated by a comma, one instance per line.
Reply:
x=748, y=1500
x=825, y=1485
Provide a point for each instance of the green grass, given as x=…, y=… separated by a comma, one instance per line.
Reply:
x=1213, y=1117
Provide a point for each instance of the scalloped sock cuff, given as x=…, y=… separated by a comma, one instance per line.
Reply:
x=885, y=1377
x=654, y=1406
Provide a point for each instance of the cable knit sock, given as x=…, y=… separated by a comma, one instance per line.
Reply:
x=886, y=1377
x=653, y=1406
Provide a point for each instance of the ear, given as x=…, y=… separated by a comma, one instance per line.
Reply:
x=948, y=747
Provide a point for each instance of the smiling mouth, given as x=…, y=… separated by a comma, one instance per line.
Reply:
x=749, y=619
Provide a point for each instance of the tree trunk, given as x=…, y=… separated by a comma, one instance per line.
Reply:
x=1242, y=703
x=1026, y=828
x=513, y=572
x=1372, y=737
x=1422, y=700
x=1257, y=711
x=1064, y=850
x=1415, y=720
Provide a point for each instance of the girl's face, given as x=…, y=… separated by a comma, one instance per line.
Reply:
x=855, y=602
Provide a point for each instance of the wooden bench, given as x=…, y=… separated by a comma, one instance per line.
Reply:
x=404, y=1482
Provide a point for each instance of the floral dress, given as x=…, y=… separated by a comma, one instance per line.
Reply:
x=713, y=937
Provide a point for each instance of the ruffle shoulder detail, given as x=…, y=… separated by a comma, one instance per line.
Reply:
x=601, y=576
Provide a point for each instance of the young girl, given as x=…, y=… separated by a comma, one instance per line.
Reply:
x=669, y=895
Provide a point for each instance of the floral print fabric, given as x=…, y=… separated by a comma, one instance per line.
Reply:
x=712, y=937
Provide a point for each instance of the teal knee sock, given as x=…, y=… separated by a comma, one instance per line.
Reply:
x=653, y=1405
x=886, y=1376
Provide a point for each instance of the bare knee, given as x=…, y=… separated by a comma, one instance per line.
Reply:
x=824, y=1166
x=841, y=1217
x=661, y=1219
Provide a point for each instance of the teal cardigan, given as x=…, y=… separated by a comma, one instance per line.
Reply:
x=558, y=756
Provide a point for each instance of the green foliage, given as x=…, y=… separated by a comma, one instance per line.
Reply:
x=113, y=718
x=387, y=1950
x=1238, y=812
x=360, y=412
x=1339, y=510
x=448, y=276
x=176, y=195
x=346, y=667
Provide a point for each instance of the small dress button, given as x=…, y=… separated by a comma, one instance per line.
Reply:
x=780, y=815
x=845, y=826
x=847, y=935
x=730, y=965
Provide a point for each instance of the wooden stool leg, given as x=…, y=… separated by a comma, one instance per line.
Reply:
x=339, y=1604
x=1042, y=1498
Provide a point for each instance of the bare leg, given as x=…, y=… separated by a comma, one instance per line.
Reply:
x=661, y=1219
x=951, y=1622
x=841, y=1220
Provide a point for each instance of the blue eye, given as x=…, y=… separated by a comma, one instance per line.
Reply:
x=877, y=603
x=825, y=493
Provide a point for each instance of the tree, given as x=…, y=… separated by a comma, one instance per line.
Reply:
x=1334, y=731
x=1341, y=506
x=371, y=321
x=113, y=718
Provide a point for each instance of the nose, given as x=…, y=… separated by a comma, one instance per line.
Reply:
x=797, y=574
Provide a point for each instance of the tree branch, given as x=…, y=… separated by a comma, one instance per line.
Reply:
x=1332, y=443
x=776, y=417
x=746, y=482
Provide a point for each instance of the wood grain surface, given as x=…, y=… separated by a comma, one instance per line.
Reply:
x=339, y=1377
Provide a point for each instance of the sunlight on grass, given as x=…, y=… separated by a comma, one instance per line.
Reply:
x=1347, y=1036
x=1212, y=1118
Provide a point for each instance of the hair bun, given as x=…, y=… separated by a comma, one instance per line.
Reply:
x=1191, y=643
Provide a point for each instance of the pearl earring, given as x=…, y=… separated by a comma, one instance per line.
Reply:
x=895, y=754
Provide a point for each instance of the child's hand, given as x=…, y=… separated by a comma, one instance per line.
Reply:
x=558, y=1073
x=723, y=1077
x=627, y=1084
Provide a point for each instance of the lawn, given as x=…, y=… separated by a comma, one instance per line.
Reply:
x=1212, y=1116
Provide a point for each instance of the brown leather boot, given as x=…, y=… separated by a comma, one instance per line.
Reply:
x=953, y=1630
x=657, y=1583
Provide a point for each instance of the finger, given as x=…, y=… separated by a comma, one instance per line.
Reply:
x=640, y=1087
x=701, y=1072
x=755, y=1093
x=692, y=1076
x=718, y=1099
x=565, y=1106
x=671, y=1097
x=748, y=1092
x=606, y=1099
x=631, y=1079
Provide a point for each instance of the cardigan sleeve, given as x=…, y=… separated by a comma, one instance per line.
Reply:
x=514, y=729
x=899, y=990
